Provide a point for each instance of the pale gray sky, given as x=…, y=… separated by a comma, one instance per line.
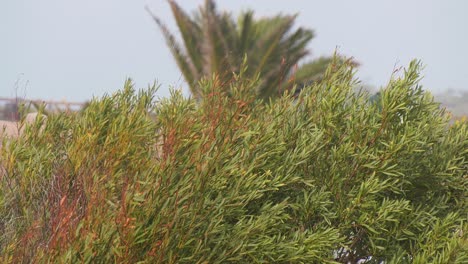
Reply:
x=73, y=50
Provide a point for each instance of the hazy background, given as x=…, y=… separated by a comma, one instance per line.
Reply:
x=73, y=50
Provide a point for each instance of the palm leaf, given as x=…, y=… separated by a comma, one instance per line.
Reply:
x=190, y=32
x=270, y=41
x=185, y=63
x=245, y=39
x=216, y=44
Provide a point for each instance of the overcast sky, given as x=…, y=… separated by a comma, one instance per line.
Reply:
x=74, y=50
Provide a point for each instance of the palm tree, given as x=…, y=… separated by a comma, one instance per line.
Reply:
x=213, y=43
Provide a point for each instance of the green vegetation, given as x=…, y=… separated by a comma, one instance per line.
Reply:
x=327, y=177
x=214, y=44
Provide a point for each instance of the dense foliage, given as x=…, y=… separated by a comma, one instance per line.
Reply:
x=214, y=43
x=326, y=177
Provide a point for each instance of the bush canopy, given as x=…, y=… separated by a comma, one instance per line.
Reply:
x=324, y=177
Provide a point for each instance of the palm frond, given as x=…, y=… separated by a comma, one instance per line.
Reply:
x=183, y=61
x=270, y=41
x=190, y=32
x=245, y=32
x=216, y=44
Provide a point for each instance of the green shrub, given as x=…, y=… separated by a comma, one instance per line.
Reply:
x=327, y=177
